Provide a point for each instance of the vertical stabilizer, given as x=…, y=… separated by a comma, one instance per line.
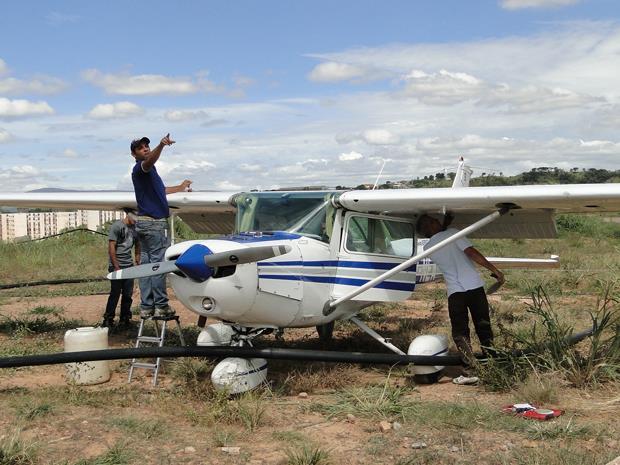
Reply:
x=463, y=174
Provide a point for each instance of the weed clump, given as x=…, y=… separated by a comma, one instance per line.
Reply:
x=550, y=347
x=371, y=402
x=307, y=455
x=15, y=451
x=37, y=321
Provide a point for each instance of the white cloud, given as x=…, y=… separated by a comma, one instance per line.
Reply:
x=332, y=71
x=442, y=88
x=249, y=168
x=448, y=88
x=185, y=115
x=20, y=178
x=380, y=137
x=70, y=153
x=185, y=168
x=115, y=110
x=351, y=156
x=228, y=186
x=40, y=85
x=5, y=136
x=582, y=57
x=143, y=84
x=13, y=109
x=500, y=90
x=531, y=99
x=519, y=4
x=375, y=136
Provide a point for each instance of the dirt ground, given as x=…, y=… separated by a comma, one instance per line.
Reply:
x=117, y=422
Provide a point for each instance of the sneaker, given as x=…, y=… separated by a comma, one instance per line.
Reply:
x=107, y=323
x=464, y=380
x=165, y=311
x=146, y=312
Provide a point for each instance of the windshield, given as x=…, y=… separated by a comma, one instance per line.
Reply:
x=301, y=212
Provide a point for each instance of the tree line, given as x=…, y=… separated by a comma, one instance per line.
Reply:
x=541, y=175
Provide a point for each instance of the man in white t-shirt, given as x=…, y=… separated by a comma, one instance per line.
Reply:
x=457, y=261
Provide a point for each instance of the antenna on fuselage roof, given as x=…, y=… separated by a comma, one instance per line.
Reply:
x=463, y=174
x=379, y=175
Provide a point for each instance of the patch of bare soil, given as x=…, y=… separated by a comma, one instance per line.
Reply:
x=168, y=424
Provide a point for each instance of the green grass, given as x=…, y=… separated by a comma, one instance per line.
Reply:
x=119, y=454
x=17, y=346
x=36, y=324
x=307, y=455
x=146, y=429
x=76, y=255
x=589, y=363
x=385, y=402
x=15, y=451
x=30, y=412
x=46, y=310
x=556, y=455
x=192, y=377
x=289, y=437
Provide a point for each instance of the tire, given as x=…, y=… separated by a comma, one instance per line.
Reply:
x=430, y=378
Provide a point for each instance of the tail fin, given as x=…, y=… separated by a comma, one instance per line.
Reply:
x=463, y=175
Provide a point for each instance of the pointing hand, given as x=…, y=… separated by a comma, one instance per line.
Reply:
x=167, y=140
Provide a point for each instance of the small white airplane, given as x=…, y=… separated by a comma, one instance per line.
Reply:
x=309, y=258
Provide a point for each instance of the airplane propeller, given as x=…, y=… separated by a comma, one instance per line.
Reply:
x=198, y=262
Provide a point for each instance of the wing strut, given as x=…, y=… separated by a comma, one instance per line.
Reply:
x=376, y=336
x=406, y=264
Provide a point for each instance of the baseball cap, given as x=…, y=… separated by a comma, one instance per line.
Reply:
x=139, y=142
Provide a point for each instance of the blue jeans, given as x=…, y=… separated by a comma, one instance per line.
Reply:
x=153, y=237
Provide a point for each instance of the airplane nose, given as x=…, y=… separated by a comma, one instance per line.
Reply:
x=192, y=263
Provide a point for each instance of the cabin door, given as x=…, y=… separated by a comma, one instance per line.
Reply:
x=371, y=245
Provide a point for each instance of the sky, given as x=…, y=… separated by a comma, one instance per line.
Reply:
x=276, y=94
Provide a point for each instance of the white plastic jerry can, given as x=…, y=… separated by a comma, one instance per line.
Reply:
x=87, y=338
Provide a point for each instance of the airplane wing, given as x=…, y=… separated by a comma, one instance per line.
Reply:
x=533, y=216
x=210, y=212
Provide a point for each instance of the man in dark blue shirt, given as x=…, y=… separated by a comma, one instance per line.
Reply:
x=152, y=224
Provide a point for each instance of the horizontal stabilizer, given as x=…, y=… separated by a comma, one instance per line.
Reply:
x=247, y=255
x=144, y=271
x=506, y=262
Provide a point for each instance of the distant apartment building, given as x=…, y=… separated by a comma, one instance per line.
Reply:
x=42, y=224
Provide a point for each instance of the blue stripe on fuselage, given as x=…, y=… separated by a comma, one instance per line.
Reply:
x=394, y=286
x=339, y=263
x=260, y=237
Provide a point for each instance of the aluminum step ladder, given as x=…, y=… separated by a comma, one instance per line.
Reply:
x=159, y=339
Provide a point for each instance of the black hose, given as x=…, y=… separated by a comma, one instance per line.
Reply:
x=244, y=352
x=50, y=283
x=220, y=352
x=61, y=234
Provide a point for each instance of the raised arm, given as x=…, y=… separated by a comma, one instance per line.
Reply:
x=154, y=154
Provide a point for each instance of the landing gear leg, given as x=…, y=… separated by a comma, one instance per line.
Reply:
x=325, y=331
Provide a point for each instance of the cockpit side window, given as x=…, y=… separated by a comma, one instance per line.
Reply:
x=379, y=236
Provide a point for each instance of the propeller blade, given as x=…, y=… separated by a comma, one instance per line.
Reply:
x=249, y=255
x=144, y=271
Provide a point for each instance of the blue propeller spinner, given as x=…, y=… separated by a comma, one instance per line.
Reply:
x=192, y=263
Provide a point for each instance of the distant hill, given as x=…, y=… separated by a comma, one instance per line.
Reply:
x=542, y=175
x=57, y=189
